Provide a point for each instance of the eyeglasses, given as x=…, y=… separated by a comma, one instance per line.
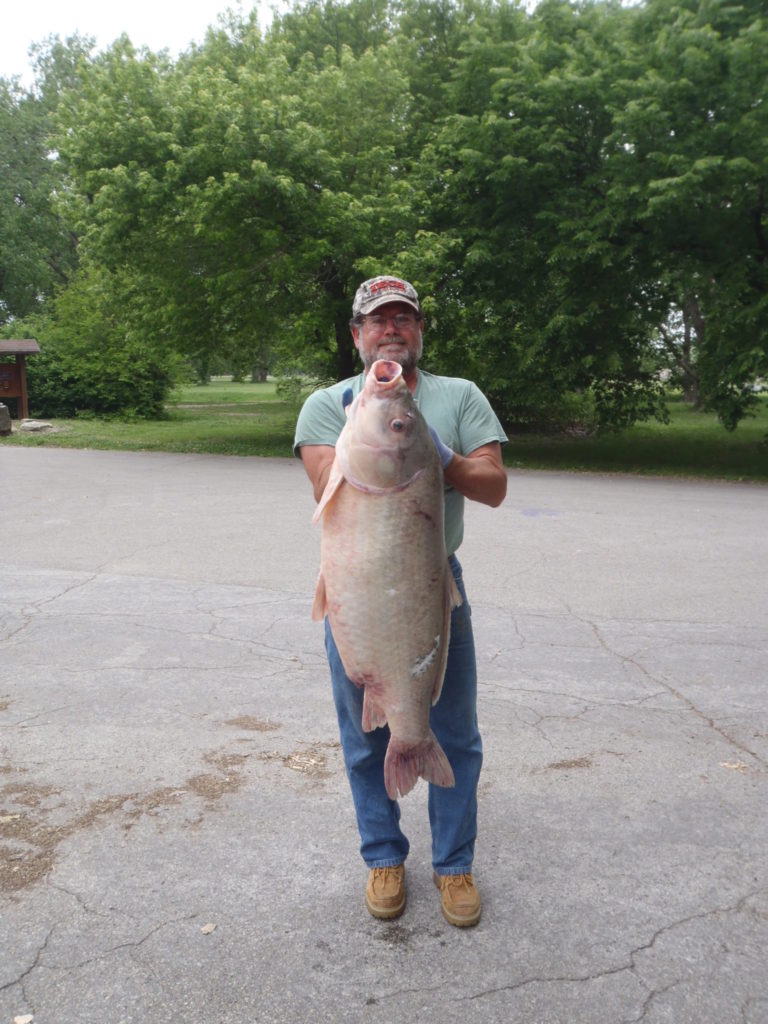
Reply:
x=401, y=320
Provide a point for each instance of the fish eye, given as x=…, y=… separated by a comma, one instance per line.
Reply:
x=397, y=425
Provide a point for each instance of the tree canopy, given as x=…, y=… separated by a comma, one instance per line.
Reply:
x=578, y=192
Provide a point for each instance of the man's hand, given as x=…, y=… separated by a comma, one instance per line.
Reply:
x=480, y=476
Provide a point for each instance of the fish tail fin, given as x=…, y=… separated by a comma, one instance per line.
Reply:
x=406, y=762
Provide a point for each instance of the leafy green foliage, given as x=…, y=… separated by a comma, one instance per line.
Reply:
x=565, y=187
x=90, y=362
x=37, y=250
x=690, y=172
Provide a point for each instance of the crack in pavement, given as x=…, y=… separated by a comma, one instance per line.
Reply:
x=630, y=660
x=80, y=901
x=32, y=609
x=48, y=711
x=132, y=945
x=35, y=963
x=279, y=654
x=629, y=965
x=647, y=1003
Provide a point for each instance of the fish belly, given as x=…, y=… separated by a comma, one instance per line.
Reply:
x=387, y=581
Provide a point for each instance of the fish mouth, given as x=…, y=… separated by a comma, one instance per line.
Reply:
x=386, y=373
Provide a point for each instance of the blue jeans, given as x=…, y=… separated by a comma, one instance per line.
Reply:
x=452, y=812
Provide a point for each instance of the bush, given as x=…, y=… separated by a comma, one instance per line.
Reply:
x=69, y=381
x=97, y=357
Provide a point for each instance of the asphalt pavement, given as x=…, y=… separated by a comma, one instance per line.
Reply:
x=177, y=842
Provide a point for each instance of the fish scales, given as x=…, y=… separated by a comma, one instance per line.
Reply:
x=385, y=582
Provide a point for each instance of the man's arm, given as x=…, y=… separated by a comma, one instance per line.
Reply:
x=317, y=460
x=480, y=476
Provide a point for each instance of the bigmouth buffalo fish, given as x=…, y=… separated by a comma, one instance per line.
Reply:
x=385, y=582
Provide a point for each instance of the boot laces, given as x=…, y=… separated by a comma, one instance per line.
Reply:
x=381, y=876
x=459, y=883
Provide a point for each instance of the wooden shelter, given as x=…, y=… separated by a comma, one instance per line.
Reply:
x=13, y=376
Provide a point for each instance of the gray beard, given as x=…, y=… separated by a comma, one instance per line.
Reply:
x=407, y=359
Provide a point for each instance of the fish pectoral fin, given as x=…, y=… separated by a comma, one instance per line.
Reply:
x=320, y=604
x=335, y=480
x=373, y=715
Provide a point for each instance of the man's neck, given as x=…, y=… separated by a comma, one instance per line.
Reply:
x=412, y=379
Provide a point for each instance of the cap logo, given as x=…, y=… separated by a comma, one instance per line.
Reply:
x=380, y=286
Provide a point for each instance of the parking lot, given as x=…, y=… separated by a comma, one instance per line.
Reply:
x=176, y=834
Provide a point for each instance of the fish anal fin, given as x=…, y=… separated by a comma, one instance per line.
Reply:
x=453, y=591
x=373, y=715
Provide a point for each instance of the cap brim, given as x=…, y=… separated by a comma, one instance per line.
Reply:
x=384, y=300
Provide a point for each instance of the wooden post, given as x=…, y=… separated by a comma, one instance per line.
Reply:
x=24, y=398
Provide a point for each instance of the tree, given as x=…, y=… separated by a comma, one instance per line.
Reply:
x=540, y=288
x=560, y=185
x=37, y=250
x=690, y=170
x=246, y=189
x=602, y=168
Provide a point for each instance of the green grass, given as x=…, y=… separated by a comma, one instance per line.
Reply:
x=223, y=418
x=227, y=418
x=692, y=444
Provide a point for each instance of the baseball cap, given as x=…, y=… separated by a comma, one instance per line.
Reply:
x=377, y=290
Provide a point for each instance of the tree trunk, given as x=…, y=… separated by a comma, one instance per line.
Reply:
x=694, y=324
x=690, y=380
x=346, y=353
x=345, y=346
x=204, y=369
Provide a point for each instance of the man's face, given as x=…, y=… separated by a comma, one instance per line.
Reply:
x=381, y=337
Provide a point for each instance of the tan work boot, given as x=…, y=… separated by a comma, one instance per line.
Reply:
x=461, y=900
x=385, y=892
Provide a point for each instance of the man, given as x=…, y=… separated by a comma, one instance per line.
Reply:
x=387, y=323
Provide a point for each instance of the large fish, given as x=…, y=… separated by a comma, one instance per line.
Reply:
x=385, y=582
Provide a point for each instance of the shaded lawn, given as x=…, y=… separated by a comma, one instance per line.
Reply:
x=227, y=418
x=692, y=444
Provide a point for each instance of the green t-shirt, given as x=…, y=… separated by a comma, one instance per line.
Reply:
x=456, y=408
